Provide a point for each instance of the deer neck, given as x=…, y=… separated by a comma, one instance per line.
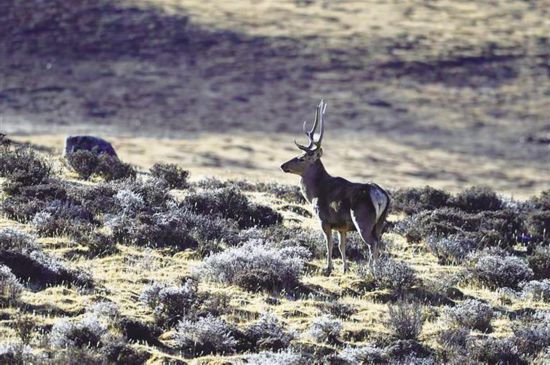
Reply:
x=312, y=180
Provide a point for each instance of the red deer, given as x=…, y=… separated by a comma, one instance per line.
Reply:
x=339, y=204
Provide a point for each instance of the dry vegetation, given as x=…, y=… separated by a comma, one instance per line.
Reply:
x=132, y=271
x=145, y=260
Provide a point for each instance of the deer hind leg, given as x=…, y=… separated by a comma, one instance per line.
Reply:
x=328, y=239
x=342, y=248
x=364, y=219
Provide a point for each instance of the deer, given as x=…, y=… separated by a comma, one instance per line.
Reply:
x=339, y=204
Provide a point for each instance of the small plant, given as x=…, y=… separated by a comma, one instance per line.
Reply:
x=10, y=287
x=24, y=327
x=325, y=329
x=16, y=353
x=288, y=357
x=170, y=303
x=99, y=244
x=537, y=290
x=88, y=332
x=362, y=355
x=472, y=313
x=496, y=268
x=174, y=176
x=254, y=266
x=268, y=333
x=88, y=163
x=22, y=167
x=207, y=335
x=232, y=204
x=492, y=350
x=405, y=320
x=452, y=249
x=533, y=335
x=414, y=200
x=63, y=217
x=394, y=275
x=539, y=261
x=477, y=199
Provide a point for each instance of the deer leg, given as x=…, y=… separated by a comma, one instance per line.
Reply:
x=342, y=248
x=328, y=239
x=364, y=220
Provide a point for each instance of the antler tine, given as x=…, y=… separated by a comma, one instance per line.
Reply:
x=321, y=111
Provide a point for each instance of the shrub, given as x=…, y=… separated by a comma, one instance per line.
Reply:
x=537, y=290
x=394, y=275
x=22, y=167
x=88, y=163
x=121, y=353
x=10, y=287
x=533, y=335
x=495, y=268
x=87, y=332
x=232, y=204
x=15, y=353
x=338, y=309
x=538, y=225
x=170, y=303
x=268, y=333
x=99, y=244
x=477, y=199
x=25, y=327
x=154, y=193
x=472, y=313
x=255, y=265
x=414, y=200
x=454, y=339
x=280, y=236
x=288, y=357
x=174, y=176
x=63, y=217
x=362, y=355
x=27, y=261
x=20, y=208
x=452, y=249
x=325, y=328
x=207, y=335
x=405, y=320
x=492, y=350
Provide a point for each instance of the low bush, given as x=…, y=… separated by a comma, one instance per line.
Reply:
x=63, y=218
x=477, y=199
x=394, y=275
x=453, y=340
x=207, y=335
x=452, y=249
x=121, y=353
x=15, y=353
x=28, y=262
x=255, y=266
x=414, y=200
x=280, y=236
x=10, y=287
x=22, y=167
x=473, y=314
x=99, y=244
x=532, y=335
x=538, y=225
x=173, y=175
x=170, y=303
x=405, y=320
x=362, y=355
x=537, y=290
x=231, y=204
x=87, y=332
x=268, y=333
x=272, y=358
x=325, y=328
x=88, y=163
x=496, y=269
x=492, y=350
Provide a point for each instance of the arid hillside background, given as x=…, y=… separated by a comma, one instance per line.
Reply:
x=448, y=93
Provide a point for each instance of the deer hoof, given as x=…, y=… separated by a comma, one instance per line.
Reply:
x=327, y=271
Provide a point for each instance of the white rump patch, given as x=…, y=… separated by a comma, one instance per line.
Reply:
x=379, y=200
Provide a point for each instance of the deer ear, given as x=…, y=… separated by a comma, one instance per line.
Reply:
x=319, y=152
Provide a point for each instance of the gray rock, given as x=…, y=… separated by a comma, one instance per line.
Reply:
x=88, y=143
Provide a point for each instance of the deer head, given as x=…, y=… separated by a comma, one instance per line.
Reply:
x=313, y=151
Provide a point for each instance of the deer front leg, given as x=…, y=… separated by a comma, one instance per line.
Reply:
x=328, y=239
x=342, y=248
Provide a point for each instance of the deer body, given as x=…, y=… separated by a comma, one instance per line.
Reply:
x=339, y=204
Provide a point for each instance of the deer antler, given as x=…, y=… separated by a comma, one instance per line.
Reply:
x=319, y=114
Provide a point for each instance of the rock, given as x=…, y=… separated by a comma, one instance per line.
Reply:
x=88, y=143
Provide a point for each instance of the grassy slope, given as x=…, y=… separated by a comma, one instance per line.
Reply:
x=121, y=277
